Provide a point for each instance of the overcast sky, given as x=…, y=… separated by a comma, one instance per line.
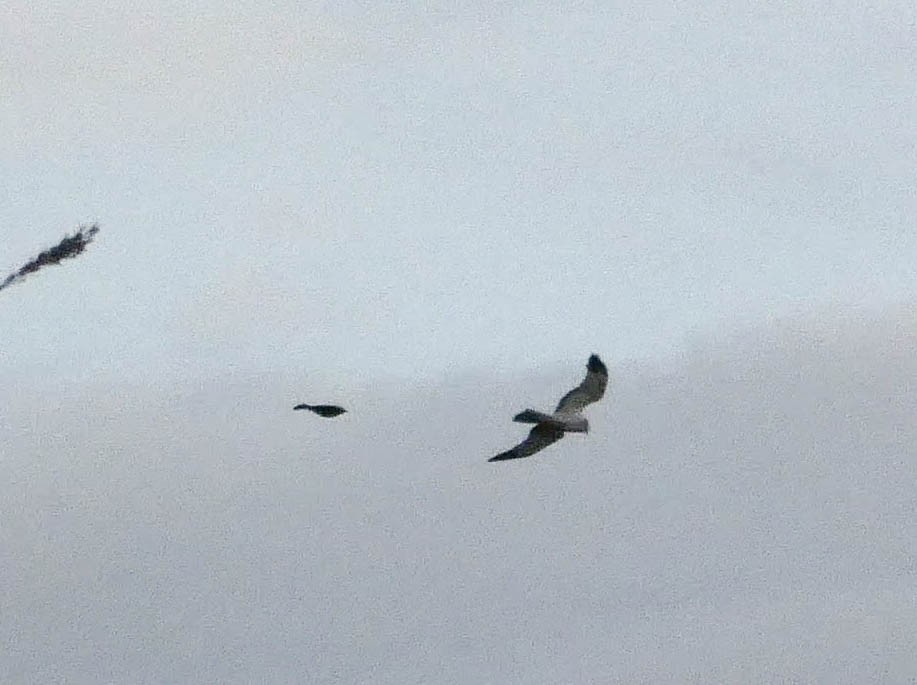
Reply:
x=408, y=190
x=433, y=216
x=747, y=516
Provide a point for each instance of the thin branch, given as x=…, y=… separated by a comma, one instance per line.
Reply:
x=69, y=247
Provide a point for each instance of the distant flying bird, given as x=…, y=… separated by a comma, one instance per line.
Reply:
x=327, y=410
x=567, y=418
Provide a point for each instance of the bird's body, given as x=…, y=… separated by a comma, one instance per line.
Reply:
x=569, y=423
x=327, y=410
x=567, y=417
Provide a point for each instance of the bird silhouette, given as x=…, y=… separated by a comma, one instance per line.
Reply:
x=329, y=411
x=567, y=418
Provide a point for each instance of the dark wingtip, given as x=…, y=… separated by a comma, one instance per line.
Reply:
x=301, y=406
x=595, y=365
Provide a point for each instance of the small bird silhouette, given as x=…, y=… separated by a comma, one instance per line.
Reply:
x=567, y=418
x=327, y=410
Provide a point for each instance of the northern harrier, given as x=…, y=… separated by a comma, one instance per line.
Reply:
x=327, y=410
x=567, y=418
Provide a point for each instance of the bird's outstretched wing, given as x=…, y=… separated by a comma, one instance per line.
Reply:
x=539, y=437
x=326, y=410
x=590, y=390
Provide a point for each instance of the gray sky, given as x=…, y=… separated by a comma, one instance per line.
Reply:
x=746, y=516
x=434, y=216
x=407, y=191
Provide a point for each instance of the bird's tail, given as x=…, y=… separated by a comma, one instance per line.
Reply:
x=531, y=416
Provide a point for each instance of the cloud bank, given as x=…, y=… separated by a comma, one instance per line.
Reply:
x=745, y=515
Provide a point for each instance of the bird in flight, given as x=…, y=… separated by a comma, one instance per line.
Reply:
x=567, y=418
x=327, y=410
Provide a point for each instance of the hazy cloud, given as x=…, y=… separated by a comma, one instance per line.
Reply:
x=744, y=515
